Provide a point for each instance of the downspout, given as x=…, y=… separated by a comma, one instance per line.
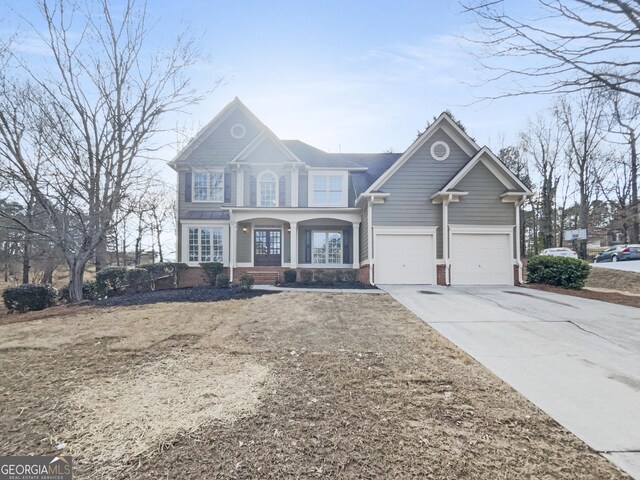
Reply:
x=233, y=231
x=518, y=259
x=370, y=242
x=445, y=238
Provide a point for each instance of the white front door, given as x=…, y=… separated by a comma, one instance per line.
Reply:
x=402, y=258
x=481, y=259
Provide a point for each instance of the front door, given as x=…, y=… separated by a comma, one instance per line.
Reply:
x=268, y=248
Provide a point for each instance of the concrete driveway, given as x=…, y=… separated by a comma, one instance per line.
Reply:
x=627, y=265
x=577, y=359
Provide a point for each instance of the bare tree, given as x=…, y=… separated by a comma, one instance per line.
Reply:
x=99, y=100
x=542, y=144
x=568, y=45
x=585, y=123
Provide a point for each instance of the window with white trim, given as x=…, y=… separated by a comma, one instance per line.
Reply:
x=205, y=244
x=328, y=190
x=267, y=190
x=326, y=248
x=208, y=186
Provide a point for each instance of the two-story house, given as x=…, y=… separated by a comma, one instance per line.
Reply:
x=445, y=211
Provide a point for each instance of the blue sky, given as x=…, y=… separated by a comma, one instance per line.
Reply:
x=356, y=76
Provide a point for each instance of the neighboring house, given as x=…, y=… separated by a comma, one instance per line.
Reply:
x=445, y=211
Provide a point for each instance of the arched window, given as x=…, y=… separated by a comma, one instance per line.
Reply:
x=267, y=190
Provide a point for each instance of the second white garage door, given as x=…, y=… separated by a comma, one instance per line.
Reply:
x=404, y=258
x=481, y=259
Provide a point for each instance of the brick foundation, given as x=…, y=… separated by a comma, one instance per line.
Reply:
x=194, y=276
x=516, y=278
x=441, y=274
x=363, y=274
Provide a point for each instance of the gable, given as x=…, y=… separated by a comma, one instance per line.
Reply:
x=220, y=146
x=268, y=151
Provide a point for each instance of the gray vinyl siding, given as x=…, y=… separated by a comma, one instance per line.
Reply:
x=411, y=188
x=184, y=207
x=303, y=190
x=267, y=152
x=286, y=244
x=256, y=170
x=243, y=243
x=364, y=234
x=483, y=205
x=219, y=148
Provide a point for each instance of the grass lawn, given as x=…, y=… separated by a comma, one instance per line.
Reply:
x=298, y=385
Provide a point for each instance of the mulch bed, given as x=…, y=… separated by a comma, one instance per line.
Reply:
x=610, y=297
x=191, y=294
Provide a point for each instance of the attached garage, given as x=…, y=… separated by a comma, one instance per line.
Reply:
x=405, y=255
x=481, y=257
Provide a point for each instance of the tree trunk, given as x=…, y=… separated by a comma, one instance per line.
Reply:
x=26, y=260
x=584, y=219
x=158, y=232
x=635, y=208
x=76, y=267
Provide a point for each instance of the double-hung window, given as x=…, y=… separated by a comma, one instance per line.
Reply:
x=328, y=190
x=205, y=244
x=208, y=186
x=327, y=247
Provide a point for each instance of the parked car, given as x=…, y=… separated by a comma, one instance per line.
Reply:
x=560, y=252
x=618, y=253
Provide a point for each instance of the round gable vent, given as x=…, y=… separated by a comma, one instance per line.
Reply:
x=440, y=151
x=238, y=131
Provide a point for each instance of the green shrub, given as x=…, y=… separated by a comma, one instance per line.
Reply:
x=222, y=281
x=212, y=270
x=563, y=272
x=306, y=276
x=327, y=277
x=290, y=276
x=110, y=281
x=246, y=282
x=89, y=292
x=24, y=298
x=339, y=276
x=138, y=280
x=349, y=276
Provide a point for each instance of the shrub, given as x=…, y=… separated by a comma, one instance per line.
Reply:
x=138, y=280
x=563, y=272
x=24, y=298
x=327, y=277
x=306, y=276
x=290, y=276
x=222, y=281
x=339, y=276
x=246, y=282
x=212, y=270
x=349, y=276
x=110, y=281
x=89, y=292
x=158, y=269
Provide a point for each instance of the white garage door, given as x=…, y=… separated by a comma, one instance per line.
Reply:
x=404, y=259
x=481, y=259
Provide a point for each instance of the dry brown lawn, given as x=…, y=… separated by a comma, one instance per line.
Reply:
x=617, y=280
x=294, y=385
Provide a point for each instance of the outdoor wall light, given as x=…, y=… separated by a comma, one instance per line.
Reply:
x=244, y=229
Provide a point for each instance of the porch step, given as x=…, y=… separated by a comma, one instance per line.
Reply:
x=265, y=278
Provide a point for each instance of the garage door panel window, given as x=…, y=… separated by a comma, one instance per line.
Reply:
x=205, y=244
x=327, y=248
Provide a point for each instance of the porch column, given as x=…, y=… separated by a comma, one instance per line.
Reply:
x=356, y=245
x=240, y=186
x=294, y=244
x=232, y=248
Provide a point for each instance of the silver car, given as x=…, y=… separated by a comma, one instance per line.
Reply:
x=560, y=252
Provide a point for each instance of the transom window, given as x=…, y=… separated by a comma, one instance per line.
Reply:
x=208, y=186
x=205, y=244
x=327, y=247
x=328, y=190
x=267, y=190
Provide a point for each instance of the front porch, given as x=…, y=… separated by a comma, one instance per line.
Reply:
x=273, y=240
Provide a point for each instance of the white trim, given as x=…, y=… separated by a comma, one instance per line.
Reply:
x=238, y=136
x=410, y=230
x=470, y=147
x=370, y=252
x=328, y=173
x=295, y=185
x=208, y=172
x=355, y=244
x=327, y=231
x=258, y=184
x=240, y=186
x=496, y=167
x=447, y=150
x=259, y=140
x=253, y=239
x=204, y=224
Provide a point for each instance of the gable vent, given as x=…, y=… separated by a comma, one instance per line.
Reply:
x=238, y=131
x=440, y=151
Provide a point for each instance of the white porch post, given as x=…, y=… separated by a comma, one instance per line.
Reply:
x=445, y=238
x=240, y=186
x=294, y=186
x=356, y=245
x=232, y=248
x=294, y=244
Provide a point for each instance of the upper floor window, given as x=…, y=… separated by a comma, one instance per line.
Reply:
x=208, y=186
x=328, y=190
x=267, y=190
